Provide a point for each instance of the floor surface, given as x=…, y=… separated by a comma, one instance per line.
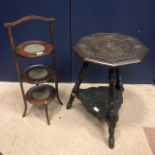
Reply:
x=75, y=131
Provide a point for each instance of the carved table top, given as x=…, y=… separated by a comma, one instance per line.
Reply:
x=111, y=49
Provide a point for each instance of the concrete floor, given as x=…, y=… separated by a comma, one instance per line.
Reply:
x=75, y=131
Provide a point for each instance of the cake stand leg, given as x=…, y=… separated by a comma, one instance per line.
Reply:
x=75, y=89
x=57, y=90
x=46, y=112
x=23, y=94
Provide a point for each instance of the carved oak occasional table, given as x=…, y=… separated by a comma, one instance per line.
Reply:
x=114, y=51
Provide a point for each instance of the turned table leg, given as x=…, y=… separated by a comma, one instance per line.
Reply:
x=119, y=84
x=112, y=113
x=77, y=85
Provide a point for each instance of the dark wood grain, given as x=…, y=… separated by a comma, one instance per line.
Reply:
x=110, y=49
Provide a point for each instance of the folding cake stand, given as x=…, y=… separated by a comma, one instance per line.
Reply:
x=40, y=94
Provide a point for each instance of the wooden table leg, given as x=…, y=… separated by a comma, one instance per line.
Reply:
x=77, y=85
x=112, y=113
x=119, y=84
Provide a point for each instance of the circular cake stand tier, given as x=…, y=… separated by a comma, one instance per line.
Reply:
x=32, y=49
x=39, y=95
x=38, y=74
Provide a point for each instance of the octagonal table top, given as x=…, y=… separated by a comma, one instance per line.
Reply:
x=111, y=49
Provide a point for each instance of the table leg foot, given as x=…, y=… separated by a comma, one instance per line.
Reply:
x=111, y=142
x=113, y=119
